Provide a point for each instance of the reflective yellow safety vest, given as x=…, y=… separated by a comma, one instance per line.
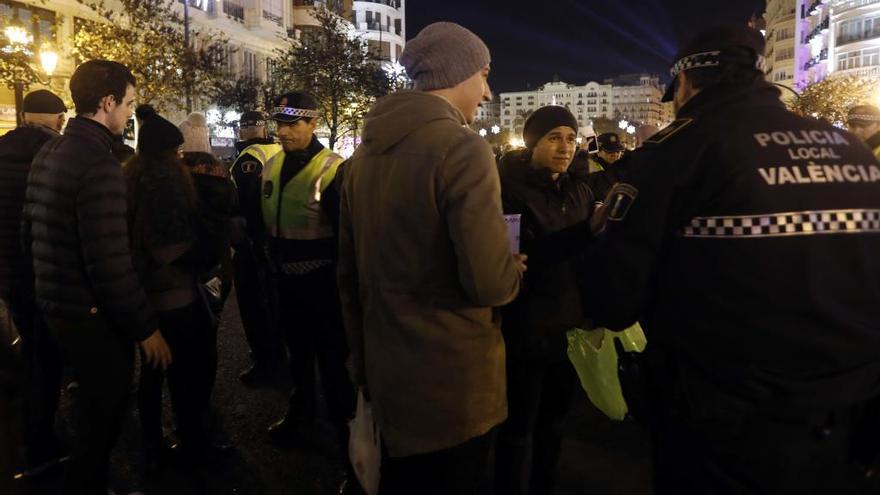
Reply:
x=262, y=152
x=295, y=212
x=595, y=166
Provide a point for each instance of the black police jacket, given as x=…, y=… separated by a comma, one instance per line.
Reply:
x=748, y=245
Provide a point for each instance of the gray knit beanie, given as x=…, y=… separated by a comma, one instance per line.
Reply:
x=443, y=55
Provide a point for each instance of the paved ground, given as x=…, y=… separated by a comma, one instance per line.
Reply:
x=600, y=457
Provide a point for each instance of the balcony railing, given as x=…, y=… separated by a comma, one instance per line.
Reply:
x=233, y=9
x=377, y=26
x=869, y=35
x=391, y=3
x=819, y=30
x=823, y=55
x=277, y=19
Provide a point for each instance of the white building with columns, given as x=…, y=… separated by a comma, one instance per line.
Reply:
x=635, y=97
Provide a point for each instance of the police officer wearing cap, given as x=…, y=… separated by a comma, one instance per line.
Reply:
x=603, y=164
x=864, y=122
x=253, y=287
x=44, y=114
x=744, y=237
x=303, y=249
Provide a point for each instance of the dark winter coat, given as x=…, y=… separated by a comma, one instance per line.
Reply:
x=17, y=151
x=554, y=231
x=163, y=220
x=75, y=225
x=217, y=204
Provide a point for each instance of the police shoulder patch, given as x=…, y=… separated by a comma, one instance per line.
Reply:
x=622, y=198
x=669, y=131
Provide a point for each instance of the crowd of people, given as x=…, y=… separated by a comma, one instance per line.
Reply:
x=391, y=274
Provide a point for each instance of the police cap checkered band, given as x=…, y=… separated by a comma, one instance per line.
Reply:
x=291, y=113
x=704, y=59
x=857, y=117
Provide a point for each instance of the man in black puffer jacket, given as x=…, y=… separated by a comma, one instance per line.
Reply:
x=74, y=224
x=555, y=209
x=44, y=116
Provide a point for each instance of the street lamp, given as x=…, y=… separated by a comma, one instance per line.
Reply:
x=483, y=133
x=623, y=124
x=17, y=34
x=496, y=129
x=20, y=42
x=48, y=60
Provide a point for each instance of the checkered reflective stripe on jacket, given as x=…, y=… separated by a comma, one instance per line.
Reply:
x=786, y=224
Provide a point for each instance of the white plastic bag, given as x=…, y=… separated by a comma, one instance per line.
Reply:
x=364, y=446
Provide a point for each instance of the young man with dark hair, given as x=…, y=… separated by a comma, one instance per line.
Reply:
x=74, y=226
x=743, y=238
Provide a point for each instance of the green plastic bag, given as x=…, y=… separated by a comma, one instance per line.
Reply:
x=594, y=356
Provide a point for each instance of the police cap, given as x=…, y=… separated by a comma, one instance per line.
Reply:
x=735, y=44
x=252, y=118
x=610, y=142
x=293, y=106
x=863, y=114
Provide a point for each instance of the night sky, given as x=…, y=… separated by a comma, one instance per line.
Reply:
x=578, y=40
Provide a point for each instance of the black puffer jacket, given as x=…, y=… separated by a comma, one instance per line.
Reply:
x=17, y=151
x=554, y=231
x=75, y=224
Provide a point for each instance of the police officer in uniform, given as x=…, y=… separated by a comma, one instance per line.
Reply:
x=864, y=122
x=603, y=165
x=303, y=249
x=745, y=239
x=251, y=273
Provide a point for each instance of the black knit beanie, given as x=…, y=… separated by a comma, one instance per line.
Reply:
x=158, y=136
x=544, y=120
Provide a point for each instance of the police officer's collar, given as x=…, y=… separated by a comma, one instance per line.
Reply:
x=719, y=96
x=241, y=145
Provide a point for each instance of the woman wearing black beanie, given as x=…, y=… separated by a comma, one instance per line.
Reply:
x=164, y=229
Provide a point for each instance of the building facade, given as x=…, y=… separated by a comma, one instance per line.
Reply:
x=782, y=41
x=809, y=40
x=383, y=24
x=637, y=98
x=854, y=38
x=634, y=97
x=586, y=102
x=489, y=114
x=254, y=28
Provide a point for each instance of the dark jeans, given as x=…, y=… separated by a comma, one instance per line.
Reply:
x=254, y=304
x=193, y=343
x=539, y=395
x=43, y=370
x=311, y=317
x=102, y=359
x=460, y=470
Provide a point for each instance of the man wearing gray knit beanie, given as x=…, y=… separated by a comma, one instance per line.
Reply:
x=424, y=260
